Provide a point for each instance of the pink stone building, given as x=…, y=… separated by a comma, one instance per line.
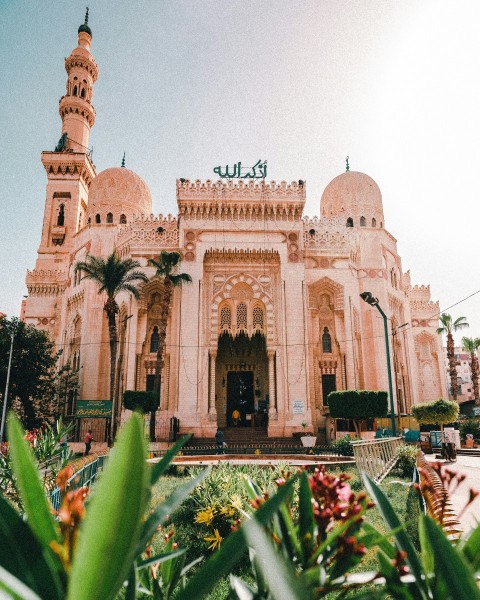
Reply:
x=273, y=320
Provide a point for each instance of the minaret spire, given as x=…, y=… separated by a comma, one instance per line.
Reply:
x=123, y=160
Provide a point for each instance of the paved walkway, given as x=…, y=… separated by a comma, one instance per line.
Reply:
x=470, y=466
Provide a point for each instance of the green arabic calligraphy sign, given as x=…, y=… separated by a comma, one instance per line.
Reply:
x=93, y=409
x=258, y=171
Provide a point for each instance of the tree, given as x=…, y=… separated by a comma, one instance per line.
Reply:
x=439, y=412
x=112, y=276
x=166, y=266
x=449, y=327
x=66, y=388
x=32, y=371
x=472, y=345
x=358, y=405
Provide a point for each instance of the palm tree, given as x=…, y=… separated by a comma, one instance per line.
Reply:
x=165, y=265
x=113, y=275
x=449, y=327
x=472, y=345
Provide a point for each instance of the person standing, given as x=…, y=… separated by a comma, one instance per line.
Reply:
x=88, y=441
x=219, y=440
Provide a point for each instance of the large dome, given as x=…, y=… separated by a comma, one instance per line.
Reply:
x=355, y=197
x=116, y=195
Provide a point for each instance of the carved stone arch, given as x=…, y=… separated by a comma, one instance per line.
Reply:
x=257, y=293
x=153, y=286
x=424, y=341
x=325, y=285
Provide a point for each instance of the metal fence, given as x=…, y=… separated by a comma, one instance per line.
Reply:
x=376, y=457
x=84, y=477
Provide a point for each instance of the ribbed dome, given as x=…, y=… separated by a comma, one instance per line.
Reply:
x=356, y=196
x=118, y=192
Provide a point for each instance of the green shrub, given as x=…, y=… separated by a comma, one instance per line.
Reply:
x=406, y=459
x=358, y=405
x=472, y=426
x=438, y=412
x=343, y=446
x=145, y=402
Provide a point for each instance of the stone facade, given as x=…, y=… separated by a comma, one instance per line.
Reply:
x=273, y=319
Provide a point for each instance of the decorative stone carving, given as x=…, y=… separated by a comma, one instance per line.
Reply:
x=329, y=235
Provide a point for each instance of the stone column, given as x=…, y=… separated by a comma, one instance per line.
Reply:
x=212, y=409
x=271, y=385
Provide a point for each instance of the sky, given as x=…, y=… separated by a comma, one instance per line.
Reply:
x=187, y=85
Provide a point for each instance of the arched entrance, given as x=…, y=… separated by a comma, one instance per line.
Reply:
x=242, y=368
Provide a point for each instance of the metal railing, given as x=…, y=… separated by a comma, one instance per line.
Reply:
x=376, y=458
x=84, y=477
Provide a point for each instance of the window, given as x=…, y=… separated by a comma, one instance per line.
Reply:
x=150, y=383
x=109, y=218
x=326, y=340
x=257, y=318
x=123, y=219
x=242, y=316
x=363, y=222
x=154, y=340
x=97, y=218
x=225, y=318
x=349, y=222
x=374, y=222
x=61, y=216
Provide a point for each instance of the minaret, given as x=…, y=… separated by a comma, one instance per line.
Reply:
x=69, y=167
x=70, y=172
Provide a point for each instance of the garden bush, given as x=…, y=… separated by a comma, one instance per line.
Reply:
x=343, y=446
x=472, y=426
x=406, y=459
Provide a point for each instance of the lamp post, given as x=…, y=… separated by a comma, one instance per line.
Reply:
x=5, y=396
x=369, y=298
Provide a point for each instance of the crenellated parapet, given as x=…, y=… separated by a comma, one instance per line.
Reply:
x=240, y=200
x=148, y=232
x=46, y=282
x=329, y=235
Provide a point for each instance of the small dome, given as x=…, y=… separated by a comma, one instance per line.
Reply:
x=86, y=28
x=355, y=197
x=116, y=195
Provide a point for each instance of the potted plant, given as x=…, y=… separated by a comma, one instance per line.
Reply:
x=308, y=439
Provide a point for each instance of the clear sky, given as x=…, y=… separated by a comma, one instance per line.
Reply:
x=186, y=85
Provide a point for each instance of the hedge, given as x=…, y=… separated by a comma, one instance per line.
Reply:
x=358, y=404
x=438, y=412
x=139, y=400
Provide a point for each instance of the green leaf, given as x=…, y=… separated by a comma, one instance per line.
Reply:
x=12, y=588
x=110, y=533
x=131, y=591
x=231, y=551
x=449, y=564
x=402, y=540
x=160, y=468
x=426, y=554
x=241, y=589
x=281, y=582
x=471, y=548
x=159, y=558
x=26, y=559
x=164, y=510
x=30, y=487
x=306, y=519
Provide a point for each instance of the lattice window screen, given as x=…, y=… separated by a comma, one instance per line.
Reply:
x=225, y=318
x=258, y=317
x=242, y=315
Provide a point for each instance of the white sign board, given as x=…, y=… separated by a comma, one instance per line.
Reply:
x=298, y=407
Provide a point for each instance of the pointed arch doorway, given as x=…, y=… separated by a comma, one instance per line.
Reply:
x=242, y=368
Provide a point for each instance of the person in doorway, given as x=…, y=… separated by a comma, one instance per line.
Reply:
x=219, y=441
x=236, y=417
x=88, y=442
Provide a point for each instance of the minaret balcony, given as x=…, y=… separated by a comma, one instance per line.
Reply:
x=58, y=235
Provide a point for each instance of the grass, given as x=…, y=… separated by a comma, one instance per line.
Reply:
x=394, y=486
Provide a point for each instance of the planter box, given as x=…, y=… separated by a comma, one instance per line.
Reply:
x=309, y=441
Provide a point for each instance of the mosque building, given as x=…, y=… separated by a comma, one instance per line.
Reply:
x=273, y=319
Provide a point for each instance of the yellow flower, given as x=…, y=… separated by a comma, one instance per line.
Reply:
x=228, y=511
x=236, y=502
x=205, y=516
x=215, y=539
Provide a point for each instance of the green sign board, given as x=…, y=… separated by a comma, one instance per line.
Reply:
x=93, y=409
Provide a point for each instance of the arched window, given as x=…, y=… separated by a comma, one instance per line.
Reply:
x=82, y=93
x=75, y=91
x=123, y=219
x=363, y=221
x=154, y=340
x=242, y=316
x=61, y=216
x=374, y=222
x=349, y=222
x=109, y=218
x=257, y=318
x=225, y=318
x=326, y=340
x=97, y=218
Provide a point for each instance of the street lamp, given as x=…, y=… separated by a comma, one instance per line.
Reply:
x=5, y=396
x=369, y=298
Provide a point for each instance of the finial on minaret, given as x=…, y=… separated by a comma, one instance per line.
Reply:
x=347, y=166
x=123, y=160
x=84, y=26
